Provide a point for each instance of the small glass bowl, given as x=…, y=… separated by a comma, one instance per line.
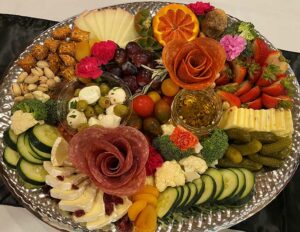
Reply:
x=67, y=93
x=190, y=109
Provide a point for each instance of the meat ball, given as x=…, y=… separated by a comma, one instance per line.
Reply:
x=214, y=23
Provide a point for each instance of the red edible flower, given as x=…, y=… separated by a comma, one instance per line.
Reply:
x=154, y=161
x=88, y=67
x=200, y=8
x=104, y=51
x=183, y=138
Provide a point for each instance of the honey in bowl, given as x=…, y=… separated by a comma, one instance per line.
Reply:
x=197, y=111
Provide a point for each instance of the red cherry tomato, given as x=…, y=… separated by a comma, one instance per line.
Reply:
x=169, y=100
x=143, y=105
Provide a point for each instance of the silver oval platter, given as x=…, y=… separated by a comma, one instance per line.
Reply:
x=268, y=184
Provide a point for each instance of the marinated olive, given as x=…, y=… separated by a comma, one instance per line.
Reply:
x=162, y=111
x=104, y=89
x=246, y=163
x=98, y=109
x=135, y=121
x=264, y=137
x=121, y=110
x=249, y=148
x=81, y=105
x=277, y=146
x=104, y=102
x=233, y=155
x=76, y=93
x=152, y=126
x=84, y=80
x=89, y=112
x=266, y=161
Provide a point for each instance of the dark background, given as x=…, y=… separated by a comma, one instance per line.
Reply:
x=282, y=214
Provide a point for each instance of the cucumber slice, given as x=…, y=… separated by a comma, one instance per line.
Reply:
x=25, y=150
x=218, y=178
x=11, y=157
x=31, y=173
x=231, y=183
x=180, y=195
x=43, y=155
x=241, y=187
x=10, y=139
x=166, y=202
x=185, y=196
x=209, y=190
x=249, y=186
x=193, y=194
x=200, y=188
x=43, y=137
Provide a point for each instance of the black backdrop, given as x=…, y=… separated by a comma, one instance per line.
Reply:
x=282, y=214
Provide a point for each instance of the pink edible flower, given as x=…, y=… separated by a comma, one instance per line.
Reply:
x=88, y=67
x=104, y=51
x=200, y=8
x=234, y=45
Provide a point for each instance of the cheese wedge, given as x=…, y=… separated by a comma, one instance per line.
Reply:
x=67, y=183
x=58, y=171
x=71, y=194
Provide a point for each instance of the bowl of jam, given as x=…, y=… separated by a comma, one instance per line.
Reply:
x=199, y=111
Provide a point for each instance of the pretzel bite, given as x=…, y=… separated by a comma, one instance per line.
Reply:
x=79, y=35
x=27, y=63
x=40, y=52
x=61, y=33
x=67, y=48
x=52, y=44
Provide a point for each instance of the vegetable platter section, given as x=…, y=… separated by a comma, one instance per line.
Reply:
x=149, y=116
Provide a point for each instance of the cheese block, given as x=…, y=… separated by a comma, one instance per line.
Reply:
x=66, y=183
x=97, y=211
x=58, y=171
x=84, y=202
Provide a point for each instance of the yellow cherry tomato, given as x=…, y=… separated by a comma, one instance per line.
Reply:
x=154, y=96
x=169, y=88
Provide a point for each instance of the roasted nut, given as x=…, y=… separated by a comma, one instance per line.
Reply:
x=61, y=32
x=48, y=72
x=51, y=83
x=52, y=44
x=68, y=60
x=56, y=79
x=28, y=96
x=37, y=71
x=16, y=90
x=24, y=88
x=43, y=80
x=27, y=63
x=22, y=77
x=79, y=35
x=42, y=64
x=31, y=79
x=67, y=48
x=40, y=52
x=43, y=87
x=32, y=87
x=19, y=98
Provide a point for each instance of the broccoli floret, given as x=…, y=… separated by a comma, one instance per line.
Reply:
x=169, y=150
x=247, y=31
x=52, y=116
x=36, y=107
x=214, y=146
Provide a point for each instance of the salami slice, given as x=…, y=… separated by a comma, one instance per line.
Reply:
x=114, y=159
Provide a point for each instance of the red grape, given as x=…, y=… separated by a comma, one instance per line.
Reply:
x=128, y=69
x=130, y=81
x=120, y=56
x=132, y=48
x=143, y=77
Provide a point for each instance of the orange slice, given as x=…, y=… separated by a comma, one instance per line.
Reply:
x=175, y=21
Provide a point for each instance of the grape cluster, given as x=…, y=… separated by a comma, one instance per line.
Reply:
x=127, y=64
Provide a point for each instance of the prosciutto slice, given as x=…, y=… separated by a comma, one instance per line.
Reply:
x=114, y=159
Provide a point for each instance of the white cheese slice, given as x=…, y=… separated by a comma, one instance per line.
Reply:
x=93, y=121
x=280, y=121
x=98, y=210
x=272, y=121
x=73, y=103
x=257, y=120
x=250, y=119
x=21, y=122
x=71, y=194
x=84, y=202
x=232, y=118
x=59, y=151
x=110, y=110
x=117, y=95
x=76, y=118
x=241, y=117
x=109, y=121
x=58, y=171
x=67, y=183
x=90, y=94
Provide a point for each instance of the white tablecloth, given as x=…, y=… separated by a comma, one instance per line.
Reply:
x=278, y=20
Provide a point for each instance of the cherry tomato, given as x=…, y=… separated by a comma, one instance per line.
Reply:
x=154, y=96
x=169, y=88
x=168, y=100
x=143, y=105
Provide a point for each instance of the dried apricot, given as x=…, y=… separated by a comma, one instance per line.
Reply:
x=149, y=198
x=135, y=209
x=149, y=190
x=147, y=220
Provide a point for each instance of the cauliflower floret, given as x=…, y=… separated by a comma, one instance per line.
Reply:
x=72, y=103
x=21, y=122
x=109, y=121
x=193, y=164
x=169, y=174
x=117, y=95
x=198, y=147
x=75, y=118
x=167, y=129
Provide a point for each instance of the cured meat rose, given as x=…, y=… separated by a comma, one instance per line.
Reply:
x=194, y=65
x=114, y=159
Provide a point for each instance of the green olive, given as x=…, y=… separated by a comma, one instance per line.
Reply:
x=81, y=105
x=89, y=112
x=104, y=102
x=84, y=80
x=98, y=109
x=104, y=89
x=76, y=93
x=121, y=110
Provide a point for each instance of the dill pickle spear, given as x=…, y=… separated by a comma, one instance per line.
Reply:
x=233, y=155
x=264, y=137
x=281, y=154
x=249, y=148
x=239, y=135
x=266, y=161
x=277, y=146
x=246, y=163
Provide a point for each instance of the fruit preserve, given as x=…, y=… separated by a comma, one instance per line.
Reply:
x=197, y=111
